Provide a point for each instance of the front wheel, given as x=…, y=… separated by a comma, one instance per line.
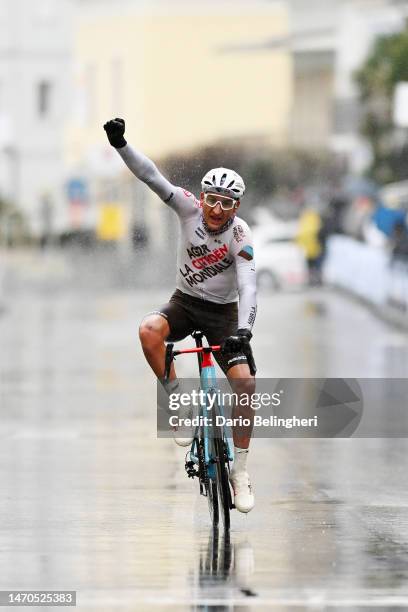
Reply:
x=223, y=486
x=212, y=497
x=210, y=487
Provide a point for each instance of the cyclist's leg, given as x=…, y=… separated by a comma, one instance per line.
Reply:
x=171, y=322
x=235, y=367
x=242, y=382
x=153, y=332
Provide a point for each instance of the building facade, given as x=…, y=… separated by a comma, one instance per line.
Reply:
x=170, y=69
x=35, y=61
x=167, y=68
x=330, y=40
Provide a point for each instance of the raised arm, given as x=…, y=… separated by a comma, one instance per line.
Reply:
x=141, y=166
x=147, y=171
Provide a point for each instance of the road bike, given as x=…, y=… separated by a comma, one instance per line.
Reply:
x=211, y=452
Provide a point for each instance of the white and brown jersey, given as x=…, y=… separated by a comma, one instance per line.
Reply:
x=217, y=267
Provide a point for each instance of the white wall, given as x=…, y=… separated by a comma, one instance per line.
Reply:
x=347, y=29
x=35, y=45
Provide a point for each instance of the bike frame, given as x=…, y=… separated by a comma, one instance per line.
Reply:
x=208, y=383
x=210, y=455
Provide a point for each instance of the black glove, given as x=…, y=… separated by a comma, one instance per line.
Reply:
x=115, y=128
x=237, y=343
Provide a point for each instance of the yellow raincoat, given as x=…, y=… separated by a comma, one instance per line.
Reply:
x=310, y=224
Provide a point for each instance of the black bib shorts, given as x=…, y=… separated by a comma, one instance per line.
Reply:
x=186, y=313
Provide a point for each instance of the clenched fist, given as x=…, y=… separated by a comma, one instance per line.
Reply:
x=115, y=129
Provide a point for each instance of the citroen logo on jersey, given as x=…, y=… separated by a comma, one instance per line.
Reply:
x=205, y=263
x=202, y=256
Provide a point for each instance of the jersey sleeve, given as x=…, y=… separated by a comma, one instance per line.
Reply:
x=243, y=252
x=180, y=200
x=184, y=203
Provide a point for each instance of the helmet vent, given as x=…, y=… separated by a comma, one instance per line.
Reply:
x=214, y=180
x=222, y=181
x=231, y=184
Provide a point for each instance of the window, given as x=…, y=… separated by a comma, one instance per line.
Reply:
x=90, y=92
x=84, y=107
x=44, y=98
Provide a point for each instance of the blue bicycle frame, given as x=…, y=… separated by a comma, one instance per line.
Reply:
x=211, y=451
x=208, y=384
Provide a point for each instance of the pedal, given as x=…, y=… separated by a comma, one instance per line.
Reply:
x=190, y=469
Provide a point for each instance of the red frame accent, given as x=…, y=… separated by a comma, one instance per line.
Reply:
x=206, y=360
x=206, y=354
x=200, y=349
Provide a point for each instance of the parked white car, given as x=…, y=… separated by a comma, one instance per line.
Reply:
x=280, y=262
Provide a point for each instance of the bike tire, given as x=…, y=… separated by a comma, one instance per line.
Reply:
x=212, y=497
x=210, y=487
x=223, y=486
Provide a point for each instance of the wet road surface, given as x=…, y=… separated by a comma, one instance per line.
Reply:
x=92, y=501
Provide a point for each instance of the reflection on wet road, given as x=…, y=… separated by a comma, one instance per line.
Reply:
x=93, y=501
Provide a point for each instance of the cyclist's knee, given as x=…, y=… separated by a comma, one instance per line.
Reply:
x=153, y=331
x=245, y=385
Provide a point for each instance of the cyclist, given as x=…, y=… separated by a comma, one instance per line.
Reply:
x=215, y=267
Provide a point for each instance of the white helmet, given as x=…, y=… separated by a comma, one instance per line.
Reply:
x=223, y=181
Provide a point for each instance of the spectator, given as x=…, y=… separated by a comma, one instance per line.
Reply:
x=399, y=242
x=386, y=219
x=140, y=237
x=310, y=225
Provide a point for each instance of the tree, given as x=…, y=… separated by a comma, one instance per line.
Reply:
x=386, y=66
x=266, y=171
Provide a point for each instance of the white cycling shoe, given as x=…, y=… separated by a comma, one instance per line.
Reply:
x=183, y=436
x=244, y=499
x=182, y=441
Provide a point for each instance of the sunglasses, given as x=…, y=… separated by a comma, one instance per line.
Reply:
x=211, y=199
